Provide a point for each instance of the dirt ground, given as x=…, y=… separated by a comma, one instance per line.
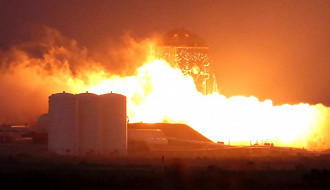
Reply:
x=24, y=165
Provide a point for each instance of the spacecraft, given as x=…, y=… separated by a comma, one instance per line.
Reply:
x=185, y=50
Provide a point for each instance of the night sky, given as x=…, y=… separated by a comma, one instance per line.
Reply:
x=277, y=50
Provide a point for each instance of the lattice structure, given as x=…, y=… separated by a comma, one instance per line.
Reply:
x=188, y=52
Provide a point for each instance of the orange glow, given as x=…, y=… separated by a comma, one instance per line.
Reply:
x=160, y=93
x=156, y=92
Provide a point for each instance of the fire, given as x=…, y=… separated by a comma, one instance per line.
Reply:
x=160, y=93
x=155, y=93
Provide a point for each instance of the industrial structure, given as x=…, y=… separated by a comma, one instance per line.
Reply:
x=87, y=124
x=10, y=133
x=63, y=124
x=90, y=123
x=187, y=51
x=114, y=123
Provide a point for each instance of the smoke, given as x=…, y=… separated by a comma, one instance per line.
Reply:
x=50, y=62
x=172, y=97
x=125, y=56
x=320, y=134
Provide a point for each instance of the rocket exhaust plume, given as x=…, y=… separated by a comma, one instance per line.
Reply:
x=156, y=92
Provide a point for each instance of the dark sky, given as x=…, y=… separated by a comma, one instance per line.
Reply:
x=274, y=49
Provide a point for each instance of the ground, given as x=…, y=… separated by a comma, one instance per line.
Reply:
x=27, y=165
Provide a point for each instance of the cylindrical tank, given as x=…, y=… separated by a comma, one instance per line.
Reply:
x=63, y=128
x=90, y=124
x=114, y=120
x=42, y=124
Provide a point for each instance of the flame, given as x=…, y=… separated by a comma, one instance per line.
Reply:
x=160, y=93
x=155, y=93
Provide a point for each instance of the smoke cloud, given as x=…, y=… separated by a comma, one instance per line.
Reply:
x=50, y=62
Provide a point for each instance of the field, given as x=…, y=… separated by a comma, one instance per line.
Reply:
x=26, y=165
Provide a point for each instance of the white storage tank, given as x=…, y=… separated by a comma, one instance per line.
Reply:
x=114, y=120
x=90, y=124
x=63, y=128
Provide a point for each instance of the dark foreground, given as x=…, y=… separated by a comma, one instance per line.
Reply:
x=36, y=169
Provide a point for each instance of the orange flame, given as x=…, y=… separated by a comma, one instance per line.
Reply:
x=155, y=93
x=160, y=93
